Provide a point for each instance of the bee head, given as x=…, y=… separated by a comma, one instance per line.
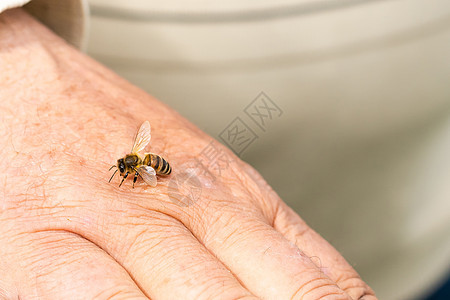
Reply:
x=121, y=165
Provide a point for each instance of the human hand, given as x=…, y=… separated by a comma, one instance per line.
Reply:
x=66, y=233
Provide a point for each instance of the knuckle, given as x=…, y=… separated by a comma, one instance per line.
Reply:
x=219, y=287
x=230, y=230
x=354, y=286
x=319, y=288
x=118, y=292
x=148, y=232
x=246, y=297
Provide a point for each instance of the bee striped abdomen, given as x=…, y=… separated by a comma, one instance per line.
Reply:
x=158, y=163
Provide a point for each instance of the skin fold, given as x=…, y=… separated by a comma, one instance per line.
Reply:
x=66, y=233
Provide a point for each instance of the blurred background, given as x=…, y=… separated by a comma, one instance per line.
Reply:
x=363, y=141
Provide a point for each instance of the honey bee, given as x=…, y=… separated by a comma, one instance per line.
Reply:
x=146, y=166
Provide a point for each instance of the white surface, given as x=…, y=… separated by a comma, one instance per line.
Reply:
x=6, y=4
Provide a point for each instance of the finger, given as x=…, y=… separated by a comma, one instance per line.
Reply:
x=286, y=221
x=63, y=265
x=166, y=260
x=264, y=261
x=321, y=252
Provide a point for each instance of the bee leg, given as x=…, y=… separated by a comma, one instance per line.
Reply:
x=124, y=177
x=135, y=178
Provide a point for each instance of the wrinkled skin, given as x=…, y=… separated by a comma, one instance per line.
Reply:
x=66, y=233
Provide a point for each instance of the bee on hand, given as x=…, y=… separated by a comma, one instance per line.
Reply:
x=146, y=166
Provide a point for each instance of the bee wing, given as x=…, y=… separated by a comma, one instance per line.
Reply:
x=143, y=137
x=148, y=174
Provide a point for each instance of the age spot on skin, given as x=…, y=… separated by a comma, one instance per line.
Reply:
x=82, y=162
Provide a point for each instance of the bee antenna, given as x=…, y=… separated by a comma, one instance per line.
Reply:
x=112, y=175
x=112, y=167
